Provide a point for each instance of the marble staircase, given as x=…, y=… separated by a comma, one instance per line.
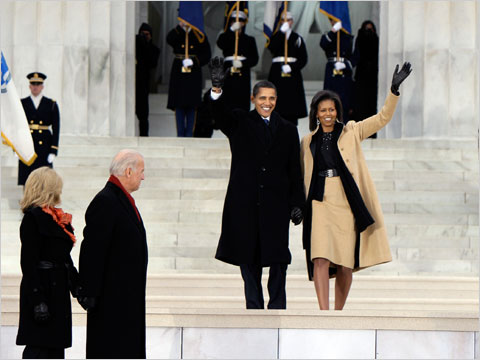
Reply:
x=428, y=190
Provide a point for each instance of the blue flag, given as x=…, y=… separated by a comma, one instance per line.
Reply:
x=191, y=13
x=271, y=17
x=338, y=11
x=231, y=9
x=14, y=125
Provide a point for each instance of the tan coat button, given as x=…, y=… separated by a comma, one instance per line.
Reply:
x=41, y=122
x=40, y=142
x=39, y=131
x=31, y=131
x=31, y=121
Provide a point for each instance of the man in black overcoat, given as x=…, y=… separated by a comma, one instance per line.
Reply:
x=287, y=77
x=44, y=121
x=185, y=87
x=146, y=56
x=264, y=192
x=237, y=81
x=113, y=265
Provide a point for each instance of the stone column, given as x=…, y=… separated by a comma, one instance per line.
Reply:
x=87, y=51
x=439, y=38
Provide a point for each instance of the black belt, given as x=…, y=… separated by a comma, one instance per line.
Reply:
x=328, y=173
x=45, y=265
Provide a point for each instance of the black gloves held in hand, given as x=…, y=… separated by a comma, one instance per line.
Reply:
x=399, y=76
x=40, y=312
x=296, y=215
x=87, y=303
x=217, y=72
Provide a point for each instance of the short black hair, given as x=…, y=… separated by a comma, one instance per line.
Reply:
x=317, y=99
x=263, y=84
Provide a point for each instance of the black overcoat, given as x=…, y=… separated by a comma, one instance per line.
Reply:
x=44, y=240
x=113, y=268
x=45, y=142
x=265, y=184
x=237, y=86
x=341, y=84
x=291, y=101
x=185, y=89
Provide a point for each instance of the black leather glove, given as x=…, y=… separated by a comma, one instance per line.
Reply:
x=40, y=312
x=296, y=215
x=217, y=72
x=399, y=76
x=87, y=303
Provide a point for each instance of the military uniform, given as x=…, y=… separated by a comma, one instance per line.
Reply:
x=237, y=85
x=185, y=88
x=342, y=84
x=44, y=123
x=291, y=104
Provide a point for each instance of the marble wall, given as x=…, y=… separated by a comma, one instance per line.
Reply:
x=87, y=51
x=441, y=40
x=255, y=343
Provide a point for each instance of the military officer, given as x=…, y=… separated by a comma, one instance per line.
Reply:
x=44, y=120
x=185, y=87
x=339, y=68
x=237, y=81
x=286, y=75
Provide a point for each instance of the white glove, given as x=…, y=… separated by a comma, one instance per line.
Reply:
x=337, y=26
x=339, y=65
x=187, y=62
x=50, y=158
x=237, y=63
x=285, y=27
x=286, y=69
x=236, y=26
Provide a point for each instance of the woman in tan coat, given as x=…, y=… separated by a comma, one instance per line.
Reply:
x=343, y=228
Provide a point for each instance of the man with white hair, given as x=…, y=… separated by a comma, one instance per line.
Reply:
x=113, y=264
x=285, y=71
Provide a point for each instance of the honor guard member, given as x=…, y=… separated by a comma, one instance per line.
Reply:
x=44, y=120
x=338, y=71
x=185, y=88
x=288, y=58
x=238, y=64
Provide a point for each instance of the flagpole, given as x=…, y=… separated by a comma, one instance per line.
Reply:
x=286, y=40
x=184, y=68
x=233, y=69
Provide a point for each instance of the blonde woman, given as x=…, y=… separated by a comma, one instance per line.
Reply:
x=343, y=228
x=48, y=273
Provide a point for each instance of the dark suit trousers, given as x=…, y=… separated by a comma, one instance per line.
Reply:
x=35, y=352
x=252, y=277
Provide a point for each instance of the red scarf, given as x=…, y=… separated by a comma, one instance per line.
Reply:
x=114, y=180
x=61, y=218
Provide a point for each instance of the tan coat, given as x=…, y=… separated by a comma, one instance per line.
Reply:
x=374, y=247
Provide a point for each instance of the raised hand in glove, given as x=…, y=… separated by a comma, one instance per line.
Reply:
x=87, y=303
x=296, y=215
x=339, y=65
x=41, y=313
x=217, y=72
x=399, y=76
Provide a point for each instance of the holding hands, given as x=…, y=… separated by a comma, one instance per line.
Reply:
x=339, y=65
x=399, y=76
x=236, y=26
